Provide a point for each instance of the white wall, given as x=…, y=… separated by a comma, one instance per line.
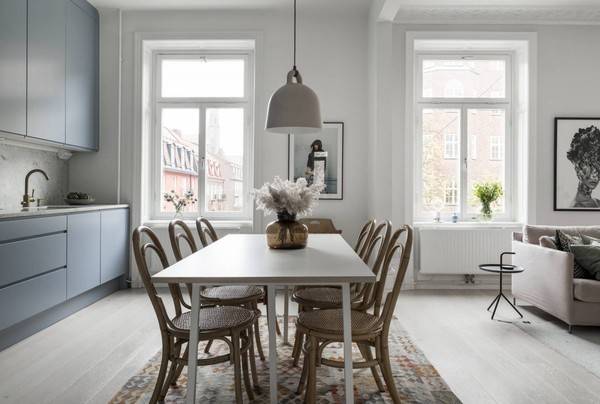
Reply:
x=332, y=49
x=331, y=57
x=567, y=85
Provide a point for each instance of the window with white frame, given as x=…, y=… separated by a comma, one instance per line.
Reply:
x=450, y=146
x=463, y=104
x=496, y=148
x=451, y=193
x=202, y=135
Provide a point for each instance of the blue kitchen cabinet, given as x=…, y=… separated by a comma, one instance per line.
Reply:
x=83, y=252
x=114, y=245
x=46, y=51
x=13, y=66
x=82, y=91
x=22, y=300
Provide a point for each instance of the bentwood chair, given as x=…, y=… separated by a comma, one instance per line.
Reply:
x=247, y=296
x=369, y=330
x=208, y=235
x=330, y=297
x=230, y=324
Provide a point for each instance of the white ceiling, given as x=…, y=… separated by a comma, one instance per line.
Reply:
x=228, y=4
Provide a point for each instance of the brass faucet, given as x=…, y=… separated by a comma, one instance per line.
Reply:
x=26, y=198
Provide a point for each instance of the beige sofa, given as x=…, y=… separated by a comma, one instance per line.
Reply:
x=547, y=281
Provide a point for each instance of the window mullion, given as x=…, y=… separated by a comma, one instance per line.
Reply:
x=464, y=161
x=202, y=158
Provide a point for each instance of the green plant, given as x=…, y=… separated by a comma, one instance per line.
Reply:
x=487, y=193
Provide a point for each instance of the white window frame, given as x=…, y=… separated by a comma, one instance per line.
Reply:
x=202, y=104
x=464, y=104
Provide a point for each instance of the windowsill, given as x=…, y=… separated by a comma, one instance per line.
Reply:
x=469, y=225
x=217, y=224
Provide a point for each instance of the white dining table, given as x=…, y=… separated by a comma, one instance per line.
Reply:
x=245, y=259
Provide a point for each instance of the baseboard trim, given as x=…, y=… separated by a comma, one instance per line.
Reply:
x=40, y=321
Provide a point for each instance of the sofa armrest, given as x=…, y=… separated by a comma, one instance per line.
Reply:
x=547, y=281
x=517, y=236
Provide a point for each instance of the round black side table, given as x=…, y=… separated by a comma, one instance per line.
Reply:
x=501, y=269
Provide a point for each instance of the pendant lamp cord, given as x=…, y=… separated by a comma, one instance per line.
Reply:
x=294, y=38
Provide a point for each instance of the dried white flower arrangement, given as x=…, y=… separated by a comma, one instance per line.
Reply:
x=287, y=197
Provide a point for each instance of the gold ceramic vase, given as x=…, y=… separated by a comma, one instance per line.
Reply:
x=286, y=233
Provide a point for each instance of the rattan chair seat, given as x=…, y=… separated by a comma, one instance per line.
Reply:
x=322, y=297
x=330, y=321
x=214, y=318
x=233, y=292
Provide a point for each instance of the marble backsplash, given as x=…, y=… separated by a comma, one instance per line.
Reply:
x=16, y=162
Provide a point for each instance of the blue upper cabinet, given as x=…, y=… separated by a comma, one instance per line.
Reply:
x=82, y=75
x=13, y=66
x=46, y=48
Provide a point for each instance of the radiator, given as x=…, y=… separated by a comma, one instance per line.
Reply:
x=460, y=250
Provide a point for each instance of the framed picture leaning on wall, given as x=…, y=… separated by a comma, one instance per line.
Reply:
x=319, y=157
x=577, y=164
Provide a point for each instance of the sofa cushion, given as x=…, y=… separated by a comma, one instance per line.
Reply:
x=590, y=240
x=548, y=242
x=565, y=242
x=586, y=290
x=588, y=257
x=532, y=234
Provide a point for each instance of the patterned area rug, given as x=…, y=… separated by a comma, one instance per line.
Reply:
x=416, y=379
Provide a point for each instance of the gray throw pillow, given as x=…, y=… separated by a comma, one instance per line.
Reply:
x=548, y=242
x=589, y=240
x=588, y=257
x=565, y=242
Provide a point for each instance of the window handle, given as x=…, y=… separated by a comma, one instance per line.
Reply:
x=202, y=163
x=466, y=162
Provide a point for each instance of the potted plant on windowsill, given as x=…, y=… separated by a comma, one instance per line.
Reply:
x=487, y=193
x=287, y=199
x=180, y=202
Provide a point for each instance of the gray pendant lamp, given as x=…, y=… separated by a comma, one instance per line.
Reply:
x=294, y=108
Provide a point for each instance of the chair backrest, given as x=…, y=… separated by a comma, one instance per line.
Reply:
x=364, y=237
x=379, y=241
x=206, y=229
x=179, y=231
x=140, y=251
x=176, y=236
x=319, y=225
x=404, y=248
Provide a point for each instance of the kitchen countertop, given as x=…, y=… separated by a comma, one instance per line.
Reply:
x=53, y=210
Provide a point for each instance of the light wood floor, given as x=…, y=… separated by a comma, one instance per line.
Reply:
x=87, y=357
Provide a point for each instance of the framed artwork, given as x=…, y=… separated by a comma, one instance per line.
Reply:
x=576, y=164
x=319, y=157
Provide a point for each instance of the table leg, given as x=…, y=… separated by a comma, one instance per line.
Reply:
x=346, y=312
x=272, y=318
x=286, y=313
x=193, y=345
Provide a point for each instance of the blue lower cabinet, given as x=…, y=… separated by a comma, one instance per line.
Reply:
x=28, y=298
x=25, y=259
x=114, y=246
x=83, y=253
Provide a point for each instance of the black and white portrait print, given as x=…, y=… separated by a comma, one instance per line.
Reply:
x=577, y=164
x=318, y=157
